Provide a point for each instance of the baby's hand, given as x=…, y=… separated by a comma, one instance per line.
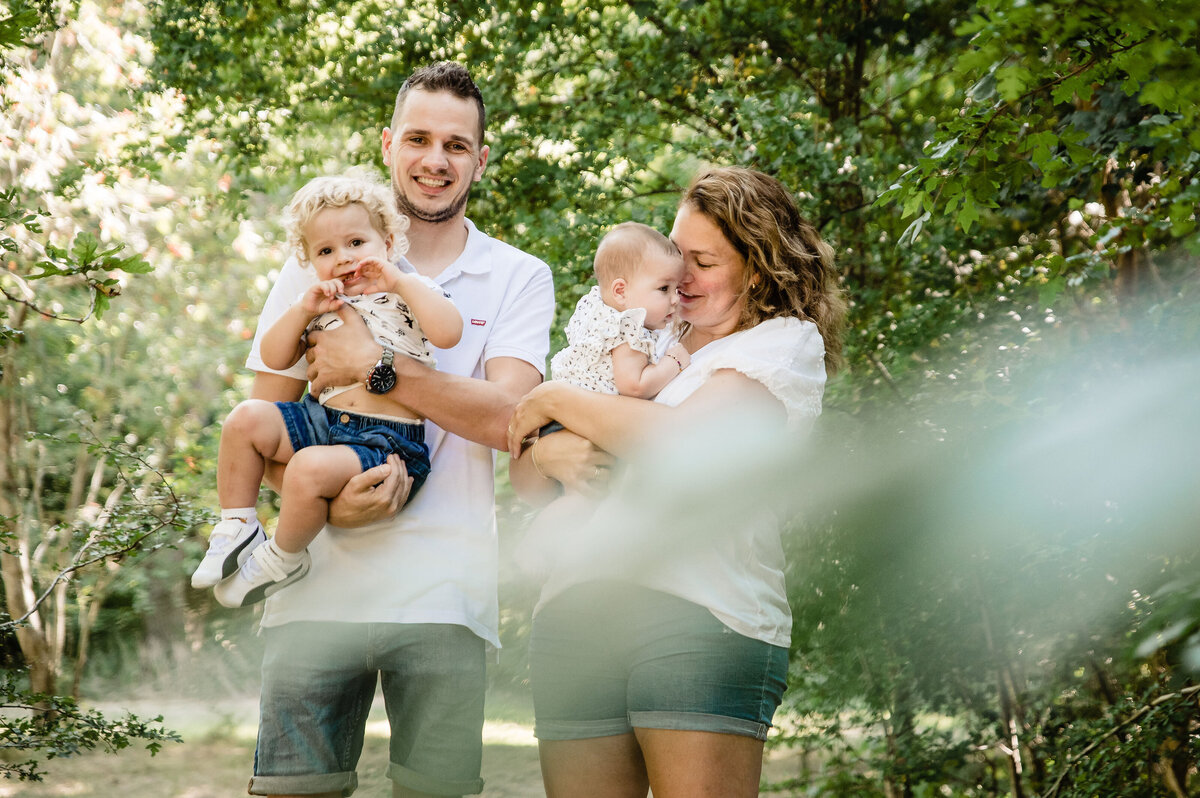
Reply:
x=377, y=275
x=322, y=297
x=680, y=353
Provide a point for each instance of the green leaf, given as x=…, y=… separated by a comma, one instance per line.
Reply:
x=1049, y=291
x=1160, y=93
x=913, y=203
x=1011, y=81
x=969, y=213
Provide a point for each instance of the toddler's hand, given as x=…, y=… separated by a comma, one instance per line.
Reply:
x=680, y=353
x=322, y=297
x=377, y=275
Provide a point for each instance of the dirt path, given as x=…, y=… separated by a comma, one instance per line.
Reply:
x=215, y=758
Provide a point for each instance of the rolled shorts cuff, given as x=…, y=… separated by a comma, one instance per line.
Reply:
x=699, y=721
x=433, y=786
x=580, y=729
x=346, y=783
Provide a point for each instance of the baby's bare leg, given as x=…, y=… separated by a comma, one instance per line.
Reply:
x=315, y=475
x=254, y=432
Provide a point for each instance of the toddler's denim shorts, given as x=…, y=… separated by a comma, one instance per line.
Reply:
x=610, y=657
x=309, y=423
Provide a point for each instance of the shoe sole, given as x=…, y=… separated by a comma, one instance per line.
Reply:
x=261, y=592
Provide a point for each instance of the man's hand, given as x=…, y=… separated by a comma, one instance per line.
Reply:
x=374, y=495
x=341, y=356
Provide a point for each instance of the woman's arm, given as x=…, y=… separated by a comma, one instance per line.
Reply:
x=618, y=424
x=552, y=462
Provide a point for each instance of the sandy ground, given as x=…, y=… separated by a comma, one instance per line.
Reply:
x=215, y=758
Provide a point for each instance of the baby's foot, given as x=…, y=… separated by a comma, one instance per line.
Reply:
x=229, y=545
x=263, y=573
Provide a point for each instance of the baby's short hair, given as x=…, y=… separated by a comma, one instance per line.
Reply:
x=337, y=191
x=622, y=251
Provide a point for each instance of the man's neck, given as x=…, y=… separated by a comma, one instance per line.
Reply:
x=434, y=246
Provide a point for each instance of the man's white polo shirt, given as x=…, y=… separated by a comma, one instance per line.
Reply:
x=435, y=562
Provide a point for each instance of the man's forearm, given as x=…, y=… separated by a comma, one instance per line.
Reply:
x=475, y=409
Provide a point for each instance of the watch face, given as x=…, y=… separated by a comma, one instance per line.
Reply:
x=382, y=379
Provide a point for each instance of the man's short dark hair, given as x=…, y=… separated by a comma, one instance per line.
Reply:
x=448, y=76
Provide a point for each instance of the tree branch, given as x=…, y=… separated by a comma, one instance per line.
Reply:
x=1180, y=696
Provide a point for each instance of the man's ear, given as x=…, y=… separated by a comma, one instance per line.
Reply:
x=385, y=142
x=480, y=164
x=618, y=292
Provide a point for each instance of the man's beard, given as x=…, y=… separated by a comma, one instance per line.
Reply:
x=434, y=217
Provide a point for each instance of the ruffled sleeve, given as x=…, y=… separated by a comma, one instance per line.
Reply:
x=786, y=355
x=631, y=330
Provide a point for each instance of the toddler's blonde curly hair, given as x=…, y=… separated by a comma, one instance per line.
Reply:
x=337, y=191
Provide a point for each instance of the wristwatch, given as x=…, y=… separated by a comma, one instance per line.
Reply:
x=383, y=376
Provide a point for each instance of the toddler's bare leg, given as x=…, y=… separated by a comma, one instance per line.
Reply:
x=315, y=475
x=253, y=433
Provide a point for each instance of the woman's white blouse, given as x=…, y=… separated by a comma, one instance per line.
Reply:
x=683, y=525
x=786, y=355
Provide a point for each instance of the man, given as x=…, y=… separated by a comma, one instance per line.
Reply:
x=410, y=597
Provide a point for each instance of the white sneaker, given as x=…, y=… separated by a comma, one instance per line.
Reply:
x=229, y=545
x=261, y=575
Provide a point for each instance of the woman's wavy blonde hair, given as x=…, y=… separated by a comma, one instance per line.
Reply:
x=794, y=267
x=357, y=185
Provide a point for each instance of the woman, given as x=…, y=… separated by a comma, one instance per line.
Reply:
x=667, y=677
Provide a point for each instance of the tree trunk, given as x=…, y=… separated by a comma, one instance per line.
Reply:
x=89, y=602
x=31, y=634
x=18, y=560
x=1010, y=743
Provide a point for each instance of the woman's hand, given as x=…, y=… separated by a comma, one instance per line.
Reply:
x=577, y=463
x=341, y=356
x=531, y=413
x=528, y=415
x=374, y=495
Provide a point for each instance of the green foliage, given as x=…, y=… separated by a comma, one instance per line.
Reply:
x=80, y=495
x=1003, y=181
x=44, y=727
x=16, y=26
x=1068, y=102
x=87, y=259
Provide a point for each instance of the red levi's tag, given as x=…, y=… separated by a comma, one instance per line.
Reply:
x=478, y=322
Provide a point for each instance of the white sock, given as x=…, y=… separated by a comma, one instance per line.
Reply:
x=247, y=514
x=288, y=558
